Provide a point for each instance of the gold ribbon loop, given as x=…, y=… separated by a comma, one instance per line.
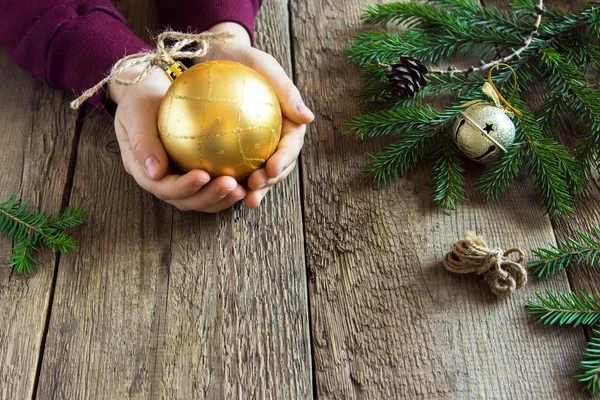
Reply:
x=493, y=93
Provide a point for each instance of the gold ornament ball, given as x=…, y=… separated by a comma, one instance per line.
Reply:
x=480, y=130
x=221, y=117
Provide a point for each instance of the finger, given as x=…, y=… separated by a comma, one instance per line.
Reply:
x=232, y=198
x=142, y=133
x=287, y=93
x=210, y=195
x=169, y=187
x=254, y=197
x=288, y=149
x=260, y=179
x=173, y=187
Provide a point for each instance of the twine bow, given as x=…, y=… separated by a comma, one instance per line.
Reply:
x=472, y=255
x=170, y=45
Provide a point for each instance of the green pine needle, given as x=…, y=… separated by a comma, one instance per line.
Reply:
x=399, y=157
x=590, y=365
x=584, y=249
x=29, y=228
x=436, y=30
x=566, y=309
x=447, y=174
x=391, y=122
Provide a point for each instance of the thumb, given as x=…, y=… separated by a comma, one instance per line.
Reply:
x=149, y=151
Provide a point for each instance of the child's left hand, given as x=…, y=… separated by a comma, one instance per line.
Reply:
x=295, y=113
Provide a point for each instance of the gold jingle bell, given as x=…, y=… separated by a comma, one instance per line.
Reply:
x=483, y=132
x=219, y=116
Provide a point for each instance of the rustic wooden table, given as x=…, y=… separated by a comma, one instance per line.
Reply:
x=331, y=289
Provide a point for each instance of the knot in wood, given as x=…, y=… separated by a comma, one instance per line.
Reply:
x=472, y=256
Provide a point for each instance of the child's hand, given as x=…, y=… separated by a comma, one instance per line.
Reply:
x=295, y=113
x=144, y=156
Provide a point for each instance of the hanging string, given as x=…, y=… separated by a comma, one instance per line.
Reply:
x=170, y=45
x=490, y=90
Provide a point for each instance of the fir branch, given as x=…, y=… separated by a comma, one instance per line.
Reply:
x=591, y=364
x=391, y=122
x=399, y=157
x=447, y=174
x=556, y=49
x=566, y=309
x=70, y=217
x=28, y=228
x=21, y=259
x=465, y=21
x=503, y=172
x=585, y=248
x=548, y=163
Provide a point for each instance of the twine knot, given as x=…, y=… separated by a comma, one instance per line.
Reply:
x=170, y=45
x=472, y=255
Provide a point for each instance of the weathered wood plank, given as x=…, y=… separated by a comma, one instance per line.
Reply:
x=102, y=333
x=35, y=149
x=387, y=320
x=237, y=313
x=157, y=305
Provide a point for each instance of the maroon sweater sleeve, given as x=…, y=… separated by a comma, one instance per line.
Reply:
x=72, y=44
x=67, y=44
x=200, y=15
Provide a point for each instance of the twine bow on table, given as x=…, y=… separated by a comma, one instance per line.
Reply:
x=472, y=255
x=170, y=45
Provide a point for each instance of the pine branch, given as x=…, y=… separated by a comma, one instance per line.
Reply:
x=391, y=122
x=566, y=309
x=549, y=165
x=591, y=365
x=439, y=29
x=28, y=228
x=502, y=173
x=586, y=248
x=399, y=157
x=583, y=101
x=21, y=259
x=461, y=21
x=447, y=174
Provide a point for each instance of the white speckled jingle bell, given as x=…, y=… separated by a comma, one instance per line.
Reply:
x=483, y=132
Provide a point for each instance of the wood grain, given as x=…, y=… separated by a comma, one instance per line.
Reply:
x=102, y=335
x=35, y=150
x=237, y=314
x=387, y=320
x=159, y=304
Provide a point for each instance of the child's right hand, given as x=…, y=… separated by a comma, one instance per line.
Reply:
x=144, y=156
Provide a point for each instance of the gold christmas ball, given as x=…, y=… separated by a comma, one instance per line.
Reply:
x=483, y=132
x=221, y=117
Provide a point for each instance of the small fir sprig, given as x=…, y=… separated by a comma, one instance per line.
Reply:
x=583, y=249
x=30, y=228
x=561, y=54
x=566, y=309
x=571, y=309
x=591, y=365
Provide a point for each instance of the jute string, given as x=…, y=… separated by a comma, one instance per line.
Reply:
x=170, y=45
x=472, y=255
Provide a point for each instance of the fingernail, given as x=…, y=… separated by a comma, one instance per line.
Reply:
x=151, y=165
x=224, y=192
x=302, y=109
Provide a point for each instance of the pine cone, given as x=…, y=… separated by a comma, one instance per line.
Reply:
x=405, y=78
